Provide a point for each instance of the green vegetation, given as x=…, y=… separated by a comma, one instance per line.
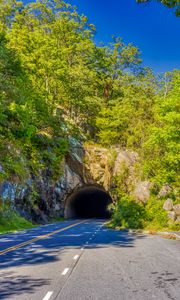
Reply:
x=168, y=3
x=145, y=117
x=56, y=83
x=127, y=213
x=56, y=219
x=11, y=221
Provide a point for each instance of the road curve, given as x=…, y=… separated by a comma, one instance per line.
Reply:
x=81, y=260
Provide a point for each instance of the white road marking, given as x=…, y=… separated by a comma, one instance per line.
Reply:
x=48, y=295
x=76, y=257
x=65, y=271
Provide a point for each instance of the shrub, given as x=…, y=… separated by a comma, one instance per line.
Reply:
x=10, y=220
x=128, y=213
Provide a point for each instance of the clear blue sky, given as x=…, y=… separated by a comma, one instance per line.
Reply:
x=153, y=28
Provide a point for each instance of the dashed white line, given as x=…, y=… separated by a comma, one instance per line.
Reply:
x=65, y=271
x=48, y=295
x=76, y=257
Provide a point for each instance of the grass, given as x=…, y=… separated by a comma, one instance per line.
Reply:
x=56, y=219
x=11, y=221
x=156, y=227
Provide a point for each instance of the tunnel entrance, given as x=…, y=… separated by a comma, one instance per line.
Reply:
x=88, y=202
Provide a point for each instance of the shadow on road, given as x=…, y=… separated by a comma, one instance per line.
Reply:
x=12, y=284
x=51, y=249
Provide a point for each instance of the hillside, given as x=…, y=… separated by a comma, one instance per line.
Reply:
x=58, y=89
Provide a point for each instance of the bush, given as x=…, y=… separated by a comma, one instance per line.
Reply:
x=157, y=218
x=156, y=215
x=128, y=213
x=11, y=221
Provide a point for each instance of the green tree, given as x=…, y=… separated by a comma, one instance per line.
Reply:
x=128, y=113
x=161, y=148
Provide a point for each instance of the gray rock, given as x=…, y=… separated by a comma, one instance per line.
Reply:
x=165, y=191
x=39, y=197
x=57, y=207
x=177, y=209
x=168, y=205
x=172, y=215
x=58, y=191
x=177, y=220
x=142, y=191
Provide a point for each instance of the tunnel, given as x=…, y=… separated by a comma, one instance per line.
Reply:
x=88, y=202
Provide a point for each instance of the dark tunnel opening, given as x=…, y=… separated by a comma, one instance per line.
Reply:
x=88, y=202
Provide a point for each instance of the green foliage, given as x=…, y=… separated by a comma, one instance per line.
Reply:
x=124, y=118
x=161, y=147
x=53, y=82
x=156, y=216
x=128, y=213
x=146, y=119
x=12, y=221
x=56, y=83
x=23, y=117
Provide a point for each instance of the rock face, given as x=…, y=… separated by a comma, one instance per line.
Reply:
x=104, y=165
x=164, y=191
x=39, y=198
x=177, y=209
x=173, y=210
x=168, y=205
x=142, y=191
x=172, y=215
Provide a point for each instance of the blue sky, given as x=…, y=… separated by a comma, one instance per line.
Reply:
x=153, y=28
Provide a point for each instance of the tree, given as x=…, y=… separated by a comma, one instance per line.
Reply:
x=129, y=111
x=168, y=3
x=161, y=147
x=55, y=82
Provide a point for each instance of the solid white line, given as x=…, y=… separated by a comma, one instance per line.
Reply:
x=65, y=271
x=48, y=295
x=76, y=257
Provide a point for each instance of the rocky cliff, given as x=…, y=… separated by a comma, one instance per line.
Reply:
x=39, y=198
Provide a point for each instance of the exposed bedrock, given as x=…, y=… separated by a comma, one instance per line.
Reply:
x=85, y=188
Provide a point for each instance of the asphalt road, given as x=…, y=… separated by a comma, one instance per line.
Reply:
x=81, y=259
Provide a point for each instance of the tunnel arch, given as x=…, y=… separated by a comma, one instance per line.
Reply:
x=89, y=201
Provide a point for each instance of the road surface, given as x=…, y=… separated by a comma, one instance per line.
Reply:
x=82, y=260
